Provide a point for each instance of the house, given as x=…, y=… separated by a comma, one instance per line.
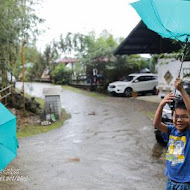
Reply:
x=69, y=62
x=46, y=76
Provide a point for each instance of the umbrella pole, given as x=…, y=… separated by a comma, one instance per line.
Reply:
x=183, y=55
x=172, y=105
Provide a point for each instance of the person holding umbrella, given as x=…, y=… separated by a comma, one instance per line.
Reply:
x=178, y=137
x=170, y=19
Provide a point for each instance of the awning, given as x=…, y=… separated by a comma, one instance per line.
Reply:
x=142, y=40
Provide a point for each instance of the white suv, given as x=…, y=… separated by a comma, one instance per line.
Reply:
x=136, y=82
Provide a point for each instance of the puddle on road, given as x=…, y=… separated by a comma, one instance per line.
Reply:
x=77, y=141
x=92, y=113
x=68, y=136
x=147, y=128
x=76, y=113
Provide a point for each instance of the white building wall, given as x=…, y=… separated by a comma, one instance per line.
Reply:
x=168, y=71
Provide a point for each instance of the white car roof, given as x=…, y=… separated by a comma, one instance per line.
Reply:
x=141, y=74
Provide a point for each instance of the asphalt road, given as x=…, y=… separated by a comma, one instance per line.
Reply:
x=107, y=144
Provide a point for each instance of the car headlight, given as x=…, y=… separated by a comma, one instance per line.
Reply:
x=111, y=86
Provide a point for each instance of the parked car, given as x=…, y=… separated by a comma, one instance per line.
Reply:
x=136, y=82
x=167, y=113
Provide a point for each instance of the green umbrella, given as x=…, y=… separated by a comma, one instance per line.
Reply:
x=8, y=140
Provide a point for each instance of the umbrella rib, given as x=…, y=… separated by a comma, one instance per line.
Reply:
x=8, y=148
x=159, y=19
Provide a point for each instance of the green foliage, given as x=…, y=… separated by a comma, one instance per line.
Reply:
x=155, y=57
x=18, y=22
x=175, y=55
x=61, y=74
x=9, y=31
x=50, y=54
x=37, y=64
x=122, y=66
x=30, y=130
x=93, y=53
x=28, y=20
x=97, y=53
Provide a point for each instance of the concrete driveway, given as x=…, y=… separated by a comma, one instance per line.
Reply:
x=107, y=144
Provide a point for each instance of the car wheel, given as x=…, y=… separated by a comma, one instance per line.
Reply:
x=155, y=91
x=128, y=92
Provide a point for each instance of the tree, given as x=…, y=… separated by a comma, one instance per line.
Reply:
x=92, y=52
x=51, y=54
x=18, y=22
x=61, y=74
x=34, y=57
x=28, y=29
x=9, y=31
x=97, y=53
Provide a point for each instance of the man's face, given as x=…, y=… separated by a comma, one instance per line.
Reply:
x=181, y=119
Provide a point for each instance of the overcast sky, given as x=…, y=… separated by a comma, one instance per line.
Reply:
x=83, y=16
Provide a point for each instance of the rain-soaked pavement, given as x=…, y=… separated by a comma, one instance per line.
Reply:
x=107, y=144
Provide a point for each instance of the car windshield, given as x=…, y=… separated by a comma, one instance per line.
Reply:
x=129, y=78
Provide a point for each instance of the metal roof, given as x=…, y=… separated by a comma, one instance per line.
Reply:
x=143, y=40
x=66, y=60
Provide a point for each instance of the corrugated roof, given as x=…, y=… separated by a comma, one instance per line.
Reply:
x=66, y=60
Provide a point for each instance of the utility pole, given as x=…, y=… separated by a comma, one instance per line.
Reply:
x=23, y=75
x=23, y=51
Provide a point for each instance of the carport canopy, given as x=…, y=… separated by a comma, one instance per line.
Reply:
x=143, y=40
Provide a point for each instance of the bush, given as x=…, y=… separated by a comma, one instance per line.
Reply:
x=61, y=75
x=101, y=89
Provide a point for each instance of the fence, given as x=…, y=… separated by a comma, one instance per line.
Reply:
x=4, y=93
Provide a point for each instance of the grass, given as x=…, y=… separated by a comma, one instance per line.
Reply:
x=85, y=92
x=30, y=130
x=41, y=102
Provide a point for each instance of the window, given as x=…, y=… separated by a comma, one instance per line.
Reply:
x=146, y=78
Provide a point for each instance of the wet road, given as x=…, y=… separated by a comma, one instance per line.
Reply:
x=107, y=144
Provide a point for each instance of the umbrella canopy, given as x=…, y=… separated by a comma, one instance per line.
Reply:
x=8, y=140
x=169, y=18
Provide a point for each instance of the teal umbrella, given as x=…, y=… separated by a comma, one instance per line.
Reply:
x=168, y=18
x=8, y=140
